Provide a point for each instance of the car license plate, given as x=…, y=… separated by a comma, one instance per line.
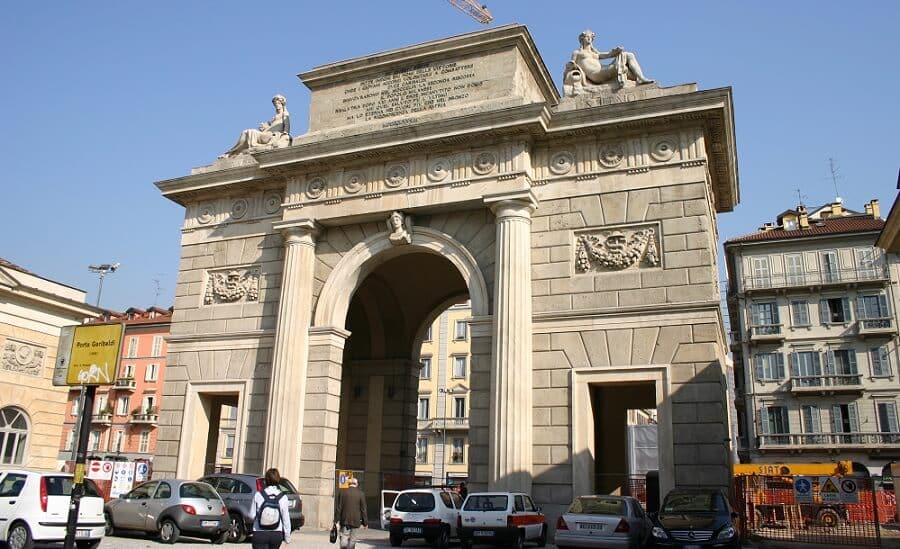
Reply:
x=691, y=546
x=209, y=523
x=483, y=533
x=83, y=533
x=590, y=526
x=412, y=530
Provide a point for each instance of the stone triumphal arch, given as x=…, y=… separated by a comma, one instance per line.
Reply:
x=581, y=228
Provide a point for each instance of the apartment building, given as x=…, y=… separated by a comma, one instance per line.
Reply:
x=442, y=437
x=125, y=415
x=812, y=303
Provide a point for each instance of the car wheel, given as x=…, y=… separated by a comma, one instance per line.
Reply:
x=542, y=541
x=110, y=529
x=168, y=531
x=519, y=542
x=443, y=539
x=396, y=540
x=19, y=537
x=237, y=532
x=829, y=518
x=220, y=538
x=87, y=543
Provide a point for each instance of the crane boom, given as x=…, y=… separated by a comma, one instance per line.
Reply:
x=473, y=9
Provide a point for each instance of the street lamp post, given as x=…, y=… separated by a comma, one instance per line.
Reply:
x=102, y=270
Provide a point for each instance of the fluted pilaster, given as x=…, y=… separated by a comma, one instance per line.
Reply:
x=510, y=444
x=287, y=385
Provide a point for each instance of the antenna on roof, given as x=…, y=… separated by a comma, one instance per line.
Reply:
x=834, y=179
x=159, y=288
x=800, y=197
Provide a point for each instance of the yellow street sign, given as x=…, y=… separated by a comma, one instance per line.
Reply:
x=95, y=354
x=344, y=479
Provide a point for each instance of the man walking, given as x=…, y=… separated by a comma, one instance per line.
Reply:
x=351, y=513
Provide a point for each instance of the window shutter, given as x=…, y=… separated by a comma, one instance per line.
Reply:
x=754, y=315
x=823, y=311
x=851, y=356
x=760, y=369
x=775, y=318
x=836, y=418
x=891, y=427
x=795, y=365
x=861, y=313
x=846, y=303
x=885, y=360
x=816, y=420
x=763, y=420
x=829, y=363
x=779, y=365
x=883, y=306
x=854, y=418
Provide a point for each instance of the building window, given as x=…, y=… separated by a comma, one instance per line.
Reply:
x=806, y=369
x=428, y=334
x=148, y=406
x=157, y=346
x=461, y=329
x=841, y=363
x=423, y=408
x=790, y=223
x=144, y=442
x=421, y=450
x=100, y=406
x=459, y=366
x=70, y=439
x=887, y=422
x=425, y=370
x=873, y=311
x=459, y=407
x=760, y=268
x=834, y=310
x=845, y=419
x=457, y=455
x=800, y=313
x=764, y=318
x=812, y=423
x=13, y=436
x=128, y=372
x=881, y=364
x=830, y=268
x=229, y=446
x=774, y=426
x=769, y=366
x=76, y=406
x=117, y=441
x=865, y=263
x=132, y=347
x=151, y=373
x=124, y=404
x=793, y=267
x=94, y=441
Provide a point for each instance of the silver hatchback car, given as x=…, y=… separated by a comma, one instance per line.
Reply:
x=603, y=522
x=170, y=508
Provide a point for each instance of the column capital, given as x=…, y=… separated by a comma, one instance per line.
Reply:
x=302, y=231
x=512, y=204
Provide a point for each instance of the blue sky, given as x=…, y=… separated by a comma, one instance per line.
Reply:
x=101, y=99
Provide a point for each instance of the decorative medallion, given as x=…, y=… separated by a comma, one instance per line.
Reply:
x=206, y=213
x=663, y=149
x=354, y=182
x=239, y=208
x=617, y=249
x=231, y=286
x=395, y=176
x=562, y=163
x=315, y=187
x=484, y=163
x=23, y=358
x=272, y=203
x=439, y=169
x=611, y=155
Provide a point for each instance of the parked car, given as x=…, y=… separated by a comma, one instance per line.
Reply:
x=237, y=490
x=34, y=508
x=508, y=518
x=170, y=508
x=695, y=518
x=603, y=522
x=431, y=514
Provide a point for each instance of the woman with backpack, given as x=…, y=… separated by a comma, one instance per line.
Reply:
x=271, y=523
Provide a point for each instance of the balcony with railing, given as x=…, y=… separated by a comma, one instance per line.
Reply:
x=149, y=416
x=766, y=332
x=869, y=327
x=125, y=384
x=826, y=384
x=826, y=441
x=102, y=418
x=818, y=278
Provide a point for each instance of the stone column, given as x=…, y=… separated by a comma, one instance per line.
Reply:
x=510, y=434
x=287, y=383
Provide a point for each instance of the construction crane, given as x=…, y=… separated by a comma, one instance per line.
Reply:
x=476, y=11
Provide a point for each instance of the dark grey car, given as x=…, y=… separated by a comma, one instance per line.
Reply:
x=237, y=490
x=170, y=508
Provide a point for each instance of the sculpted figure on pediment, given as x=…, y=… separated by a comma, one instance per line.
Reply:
x=586, y=73
x=274, y=134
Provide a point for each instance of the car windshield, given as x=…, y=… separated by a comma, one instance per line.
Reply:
x=62, y=486
x=687, y=502
x=597, y=506
x=197, y=490
x=486, y=503
x=414, y=502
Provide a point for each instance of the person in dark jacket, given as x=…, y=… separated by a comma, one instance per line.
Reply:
x=351, y=513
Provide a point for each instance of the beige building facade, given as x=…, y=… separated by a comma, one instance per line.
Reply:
x=33, y=309
x=813, y=306
x=581, y=230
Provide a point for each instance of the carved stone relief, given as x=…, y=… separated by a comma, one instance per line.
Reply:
x=400, y=226
x=232, y=209
x=484, y=163
x=232, y=286
x=23, y=358
x=562, y=163
x=617, y=249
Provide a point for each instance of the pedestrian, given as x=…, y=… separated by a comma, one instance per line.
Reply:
x=463, y=490
x=271, y=522
x=350, y=512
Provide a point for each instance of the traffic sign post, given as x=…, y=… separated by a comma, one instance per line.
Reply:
x=849, y=491
x=80, y=458
x=829, y=489
x=803, y=492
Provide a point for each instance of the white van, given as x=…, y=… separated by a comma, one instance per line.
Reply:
x=501, y=518
x=431, y=514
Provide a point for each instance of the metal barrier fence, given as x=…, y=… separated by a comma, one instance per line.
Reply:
x=769, y=509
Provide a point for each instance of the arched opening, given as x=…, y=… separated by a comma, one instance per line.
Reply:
x=13, y=436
